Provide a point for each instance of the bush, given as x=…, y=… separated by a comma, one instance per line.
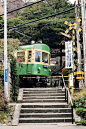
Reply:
x=65, y=71
x=79, y=102
x=80, y=112
x=15, y=79
x=3, y=117
x=2, y=103
x=83, y=122
x=80, y=99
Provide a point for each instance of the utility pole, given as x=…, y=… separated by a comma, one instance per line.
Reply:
x=77, y=10
x=5, y=56
x=78, y=43
x=84, y=36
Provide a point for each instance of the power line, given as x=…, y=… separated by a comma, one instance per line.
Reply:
x=23, y=7
x=54, y=12
x=21, y=33
x=37, y=32
x=40, y=19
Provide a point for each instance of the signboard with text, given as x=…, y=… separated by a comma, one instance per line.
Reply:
x=68, y=54
x=71, y=80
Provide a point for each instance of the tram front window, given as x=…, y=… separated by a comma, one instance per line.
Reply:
x=44, y=57
x=21, y=56
x=37, y=56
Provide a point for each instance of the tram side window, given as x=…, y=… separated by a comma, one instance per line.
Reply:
x=29, y=56
x=21, y=56
x=37, y=56
x=44, y=57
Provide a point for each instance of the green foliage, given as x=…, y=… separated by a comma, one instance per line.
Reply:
x=3, y=116
x=11, y=112
x=53, y=68
x=48, y=30
x=12, y=44
x=80, y=112
x=83, y=122
x=79, y=101
x=65, y=71
x=1, y=77
x=15, y=79
x=2, y=103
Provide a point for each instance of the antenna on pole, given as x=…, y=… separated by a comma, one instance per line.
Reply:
x=5, y=57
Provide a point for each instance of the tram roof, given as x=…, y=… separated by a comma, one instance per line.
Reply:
x=37, y=46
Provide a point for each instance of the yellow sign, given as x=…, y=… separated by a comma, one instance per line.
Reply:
x=79, y=29
x=66, y=31
x=70, y=28
x=65, y=22
x=79, y=20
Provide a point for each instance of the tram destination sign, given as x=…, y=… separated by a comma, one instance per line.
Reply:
x=68, y=54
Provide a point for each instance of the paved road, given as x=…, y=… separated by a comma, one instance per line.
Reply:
x=44, y=126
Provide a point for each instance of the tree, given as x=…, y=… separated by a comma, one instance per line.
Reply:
x=47, y=29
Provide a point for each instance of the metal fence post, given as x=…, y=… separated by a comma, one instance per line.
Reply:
x=51, y=81
x=72, y=112
x=65, y=94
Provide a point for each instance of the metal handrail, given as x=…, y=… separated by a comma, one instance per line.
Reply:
x=68, y=96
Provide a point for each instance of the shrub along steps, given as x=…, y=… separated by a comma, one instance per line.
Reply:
x=44, y=105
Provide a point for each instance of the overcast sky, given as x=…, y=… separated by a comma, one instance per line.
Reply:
x=72, y=1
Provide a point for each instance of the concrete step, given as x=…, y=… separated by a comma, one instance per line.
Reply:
x=43, y=94
x=44, y=97
x=44, y=120
x=42, y=100
x=45, y=110
x=43, y=89
x=44, y=115
x=44, y=105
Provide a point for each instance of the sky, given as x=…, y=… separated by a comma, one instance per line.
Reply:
x=72, y=1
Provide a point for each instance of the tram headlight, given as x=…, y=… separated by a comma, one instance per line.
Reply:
x=49, y=70
x=39, y=68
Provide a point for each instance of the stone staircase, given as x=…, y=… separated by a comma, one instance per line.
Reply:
x=44, y=105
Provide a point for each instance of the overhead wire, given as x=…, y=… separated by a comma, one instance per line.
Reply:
x=37, y=32
x=22, y=7
x=21, y=33
x=57, y=16
x=39, y=19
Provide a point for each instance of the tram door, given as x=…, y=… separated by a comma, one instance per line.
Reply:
x=29, y=60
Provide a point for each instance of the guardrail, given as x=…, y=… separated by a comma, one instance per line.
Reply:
x=68, y=97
